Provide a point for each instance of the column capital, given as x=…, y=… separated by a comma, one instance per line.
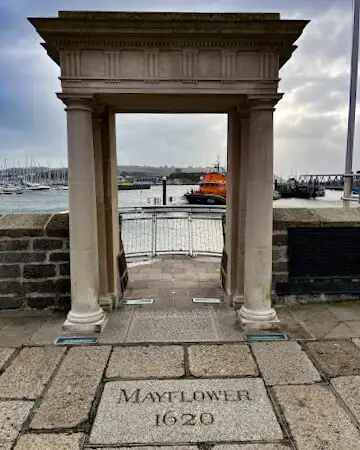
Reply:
x=81, y=102
x=263, y=102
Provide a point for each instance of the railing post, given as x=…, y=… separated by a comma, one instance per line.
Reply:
x=154, y=235
x=190, y=230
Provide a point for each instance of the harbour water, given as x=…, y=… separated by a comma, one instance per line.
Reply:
x=56, y=200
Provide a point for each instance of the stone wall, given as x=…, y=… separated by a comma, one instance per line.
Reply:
x=283, y=220
x=35, y=261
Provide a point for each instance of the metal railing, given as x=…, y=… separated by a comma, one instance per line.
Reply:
x=187, y=230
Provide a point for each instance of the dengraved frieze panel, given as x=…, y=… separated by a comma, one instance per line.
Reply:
x=132, y=64
x=93, y=63
x=70, y=63
x=269, y=65
x=112, y=64
x=170, y=64
x=247, y=65
x=209, y=64
x=190, y=62
x=151, y=65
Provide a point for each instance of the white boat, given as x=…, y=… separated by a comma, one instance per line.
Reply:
x=11, y=189
x=35, y=187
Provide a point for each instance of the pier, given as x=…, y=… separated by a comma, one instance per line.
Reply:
x=328, y=181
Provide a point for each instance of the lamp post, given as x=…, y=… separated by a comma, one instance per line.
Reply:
x=348, y=177
x=164, y=189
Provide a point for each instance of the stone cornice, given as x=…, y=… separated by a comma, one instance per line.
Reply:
x=84, y=30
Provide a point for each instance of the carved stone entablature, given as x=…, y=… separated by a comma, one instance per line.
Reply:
x=187, y=65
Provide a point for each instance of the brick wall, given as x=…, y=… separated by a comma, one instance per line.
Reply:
x=34, y=261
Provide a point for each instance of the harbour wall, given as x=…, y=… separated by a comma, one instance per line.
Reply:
x=316, y=255
x=316, y=258
x=35, y=262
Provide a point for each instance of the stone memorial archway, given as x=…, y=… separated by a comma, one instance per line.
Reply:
x=168, y=63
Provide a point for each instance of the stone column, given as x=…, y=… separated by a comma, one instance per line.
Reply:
x=111, y=203
x=257, y=311
x=232, y=196
x=236, y=205
x=86, y=315
x=106, y=300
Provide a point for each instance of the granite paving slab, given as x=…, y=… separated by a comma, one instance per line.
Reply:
x=252, y=447
x=15, y=330
x=349, y=390
x=68, y=401
x=141, y=447
x=172, y=326
x=184, y=411
x=50, y=442
x=356, y=341
x=5, y=354
x=12, y=416
x=345, y=310
x=28, y=374
x=290, y=325
x=284, y=363
x=221, y=360
x=146, y=361
x=336, y=358
x=316, y=319
x=117, y=325
x=227, y=325
x=316, y=419
x=341, y=331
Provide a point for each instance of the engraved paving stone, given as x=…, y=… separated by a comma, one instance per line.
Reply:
x=184, y=411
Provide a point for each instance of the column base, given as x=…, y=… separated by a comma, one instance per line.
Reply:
x=238, y=301
x=107, y=302
x=85, y=323
x=258, y=320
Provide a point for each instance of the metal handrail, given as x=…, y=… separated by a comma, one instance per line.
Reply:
x=176, y=230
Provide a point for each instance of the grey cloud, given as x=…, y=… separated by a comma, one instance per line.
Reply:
x=310, y=132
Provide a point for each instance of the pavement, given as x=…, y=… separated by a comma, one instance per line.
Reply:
x=178, y=375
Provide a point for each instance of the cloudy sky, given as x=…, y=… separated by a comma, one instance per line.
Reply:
x=310, y=122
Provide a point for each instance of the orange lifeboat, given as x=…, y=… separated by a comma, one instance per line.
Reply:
x=211, y=190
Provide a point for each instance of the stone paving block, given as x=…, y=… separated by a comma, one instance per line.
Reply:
x=356, y=341
x=5, y=354
x=316, y=419
x=252, y=447
x=28, y=374
x=290, y=325
x=12, y=416
x=336, y=358
x=227, y=325
x=163, y=447
x=317, y=320
x=15, y=330
x=145, y=362
x=172, y=326
x=50, y=442
x=51, y=329
x=349, y=390
x=341, y=331
x=221, y=360
x=117, y=325
x=284, y=363
x=354, y=326
x=68, y=401
x=225, y=410
x=345, y=310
